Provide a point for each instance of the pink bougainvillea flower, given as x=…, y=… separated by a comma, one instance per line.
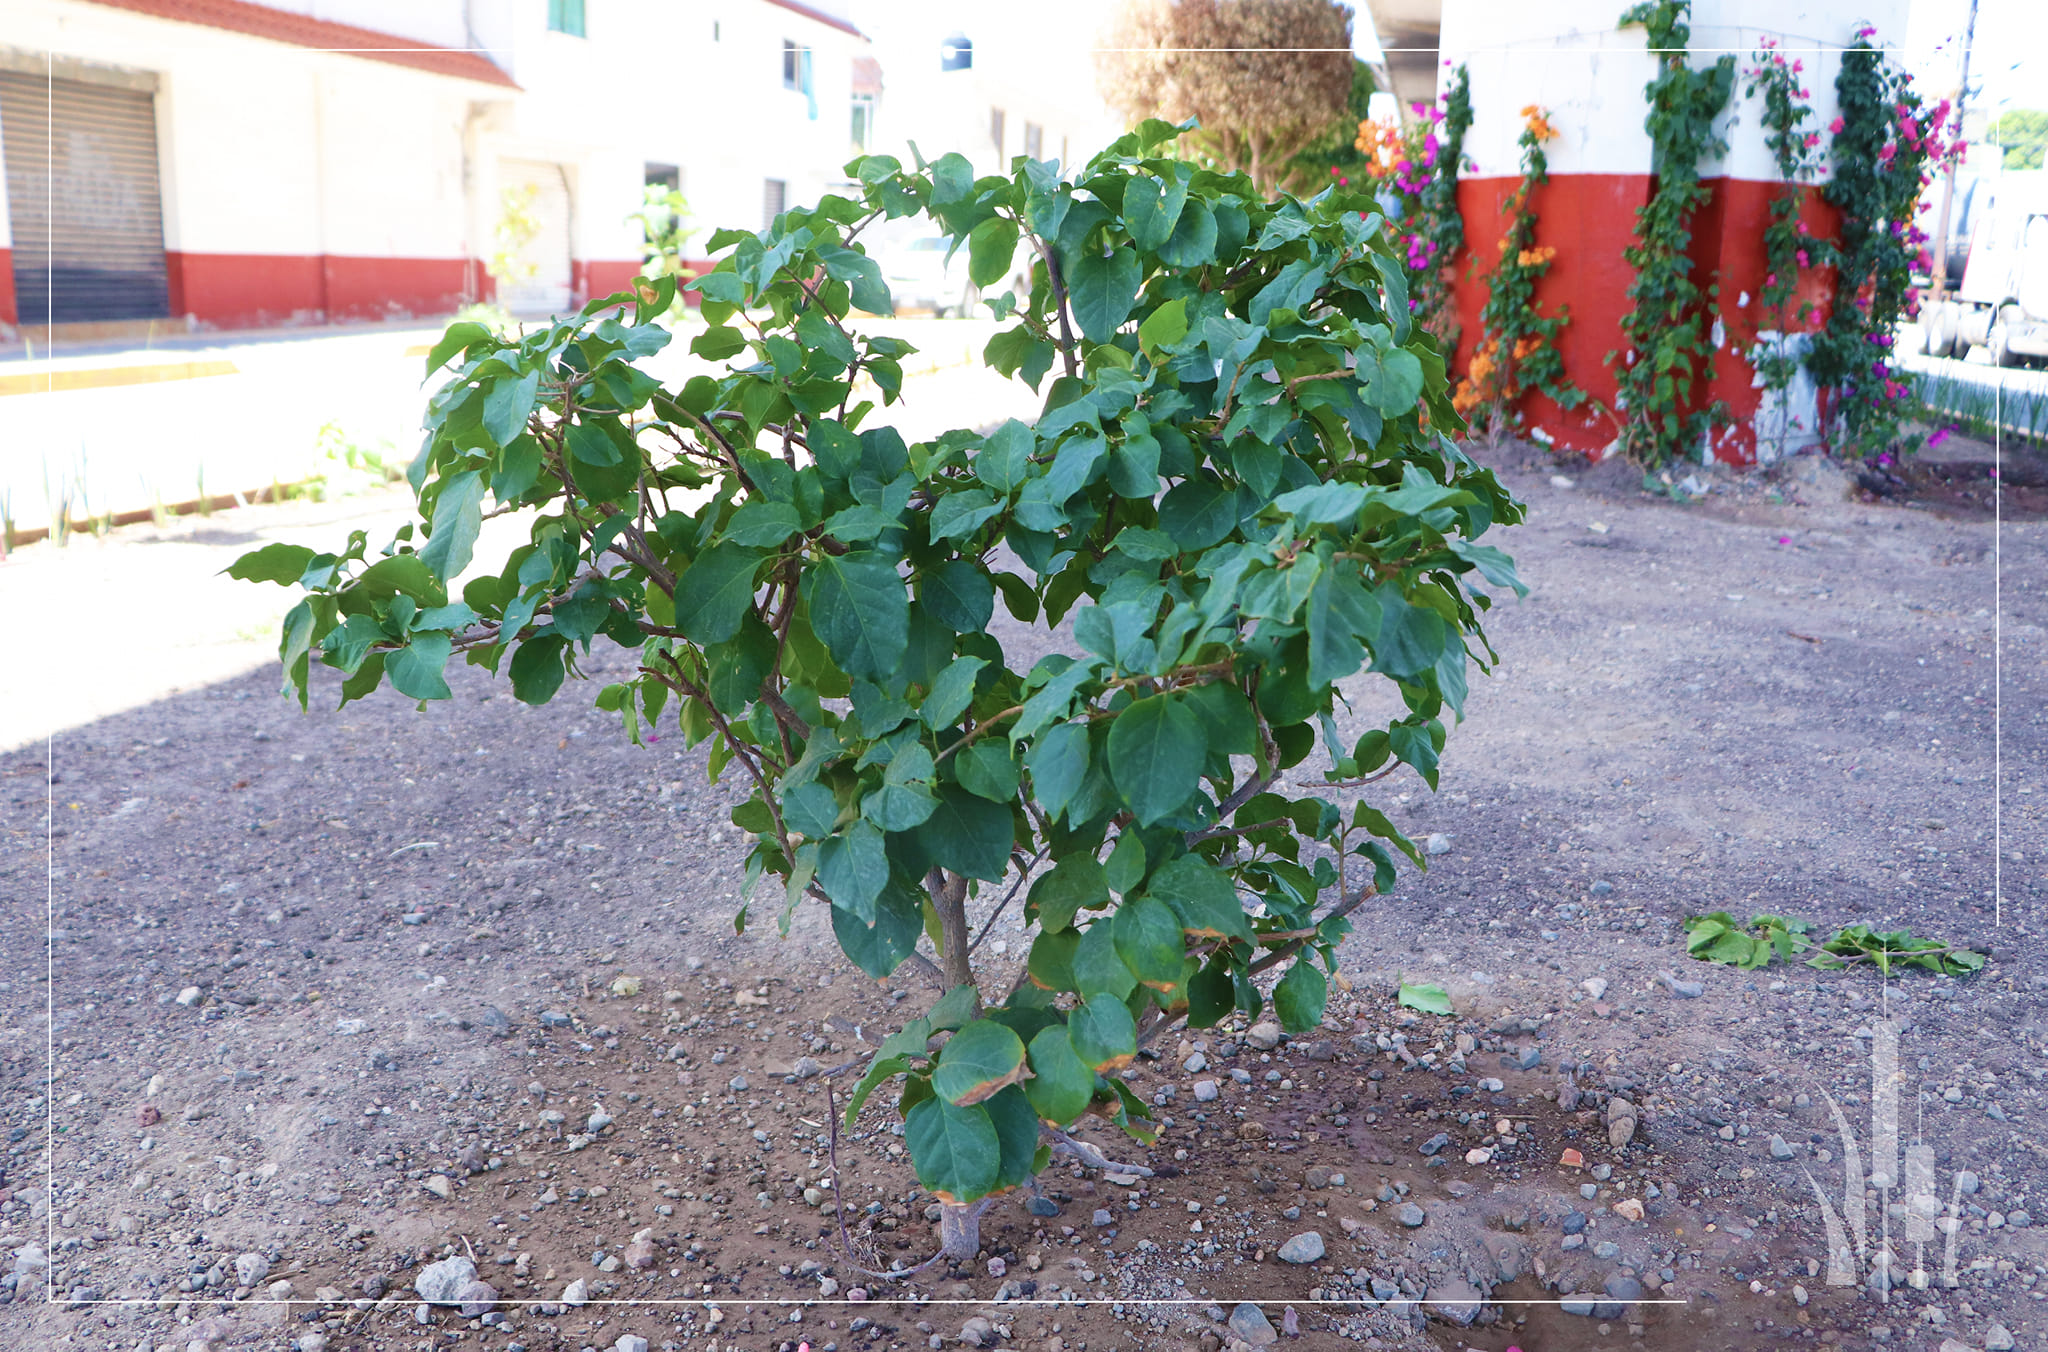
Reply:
x=1770, y=279
x=1804, y=261
x=1836, y=126
x=1939, y=437
x=1812, y=139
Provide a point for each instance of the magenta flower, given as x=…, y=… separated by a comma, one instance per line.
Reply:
x=1836, y=126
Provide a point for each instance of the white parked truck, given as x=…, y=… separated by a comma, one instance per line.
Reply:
x=2002, y=306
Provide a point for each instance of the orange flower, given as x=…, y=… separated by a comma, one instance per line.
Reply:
x=1538, y=123
x=1527, y=347
x=1537, y=257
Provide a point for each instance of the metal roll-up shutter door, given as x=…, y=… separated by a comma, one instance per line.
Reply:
x=83, y=200
x=542, y=191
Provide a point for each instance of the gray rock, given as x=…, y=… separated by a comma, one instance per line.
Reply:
x=1195, y=1064
x=1576, y=1304
x=1682, y=990
x=554, y=1018
x=2018, y=1219
x=252, y=1268
x=807, y=1067
x=1454, y=1301
x=1101, y=1218
x=1529, y=1058
x=1435, y=1143
x=1968, y=1182
x=1438, y=843
x=1249, y=1322
x=1780, y=1149
x=1411, y=1215
x=476, y=1298
x=1603, y=888
x=1042, y=1206
x=1306, y=1247
x=495, y=1021
x=1263, y=1037
x=1205, y=1091
x=441, y=1283
x=599, y=1120
x=1594, y=986
x=630, y=1342
x=576, y=1292
x=1998, y=1338
x=738, y=1084
x=1620, y=1132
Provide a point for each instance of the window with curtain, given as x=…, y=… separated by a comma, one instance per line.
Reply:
x=1034, y=140
x=566, y=16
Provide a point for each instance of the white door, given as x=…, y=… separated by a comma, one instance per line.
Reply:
x=533, y=234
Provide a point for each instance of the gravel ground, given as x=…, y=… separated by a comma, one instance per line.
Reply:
x=341, y=997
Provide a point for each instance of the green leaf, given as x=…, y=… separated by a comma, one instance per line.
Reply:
x=1102, y=291
x=1203, y=897
x=1211, y=993
x=1299, y=996
x=1194, y=238
x=954, y=1149
x=508, y=405
x=1061, y=1085
x=880, y=948
x=859, y=608
x=810, y=809
x=884, y=1068
x=537, y=669
x=1017, y=1134
x=1164, y=327
x=457, y=338
x=1428, y=997
x=1004, y=460
x=1411, y=638
x=977, y=1062
x=989, y=769
x=1098, y=970
x=1103, y=1034
x=1199, y=512
x=1051, y=961
x=969, y=835
x=959, y=595
x=955, y=1009
x=1058, y=762
x=904, y=799
x=1151, y=209
x=990, y=247
x=962, y=512
x=1394, y=390
x=951, y=693
x=1342, y=619
x=279, y=563
x=1147, y=935
x=1157, y=748
x=1073, y=883
x=761, y=524
x=458, y=518
x=715, y=593
x=853, y=868
x=415, y=669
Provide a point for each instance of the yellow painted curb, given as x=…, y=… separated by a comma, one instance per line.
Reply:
x=93, y=378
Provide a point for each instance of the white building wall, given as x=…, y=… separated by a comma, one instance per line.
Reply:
x=1568, y=57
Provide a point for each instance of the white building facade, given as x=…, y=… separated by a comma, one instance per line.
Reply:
x=236, y=165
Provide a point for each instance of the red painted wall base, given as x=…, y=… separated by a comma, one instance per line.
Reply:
x=8, y=313
x=236, y=291
x=598, y=278
x=1590, y=220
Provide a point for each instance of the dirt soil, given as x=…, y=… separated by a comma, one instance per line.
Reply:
x=340, y=995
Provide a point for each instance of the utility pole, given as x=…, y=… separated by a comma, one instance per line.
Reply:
x=1948, y=177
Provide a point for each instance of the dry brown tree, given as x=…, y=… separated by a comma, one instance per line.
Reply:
x=1265, y=78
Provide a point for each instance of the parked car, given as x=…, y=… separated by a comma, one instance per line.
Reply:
x=2002, y=305
x=925, y=272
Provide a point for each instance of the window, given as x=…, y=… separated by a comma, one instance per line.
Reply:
x=995, y=129
x=1034, y=140
x=566, y=16
x=665, y=176
x=773, y=194
x=863, y=122
x=792, y=65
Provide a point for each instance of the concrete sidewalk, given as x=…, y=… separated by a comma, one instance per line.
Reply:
x=115, y=622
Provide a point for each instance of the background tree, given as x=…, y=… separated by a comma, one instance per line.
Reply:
x=1336, y=156
x=2023, y=132
x=1266, y=79
x=1241, y=490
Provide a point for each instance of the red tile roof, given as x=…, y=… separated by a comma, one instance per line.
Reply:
x=809, y=12
x=261, y=21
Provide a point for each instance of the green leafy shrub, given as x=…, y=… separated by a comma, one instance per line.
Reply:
x=1239, y=493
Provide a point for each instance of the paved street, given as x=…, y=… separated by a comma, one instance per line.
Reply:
x=125, y=620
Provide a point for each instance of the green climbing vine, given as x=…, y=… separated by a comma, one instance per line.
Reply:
x=1789, y=250
x=1886, y=146
x=1442, y=230
x=1669, y=356
x=1518, y=352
